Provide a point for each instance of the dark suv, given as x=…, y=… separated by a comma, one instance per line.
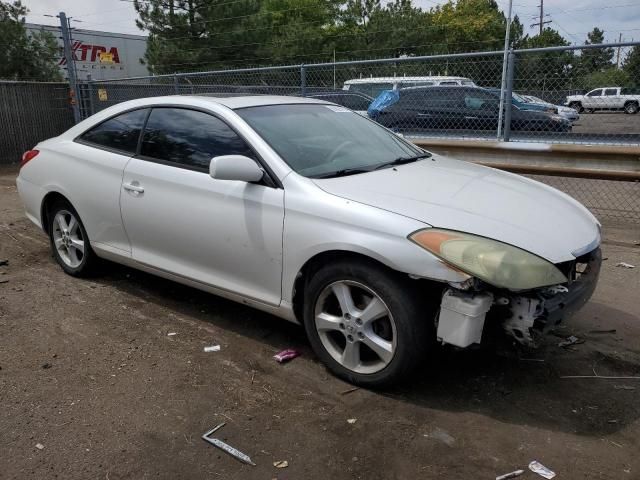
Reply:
x=470, y=108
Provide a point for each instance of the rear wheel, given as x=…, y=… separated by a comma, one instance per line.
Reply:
x=367, y=324
x=576, y=106
x=69, y=240
x=631, y=107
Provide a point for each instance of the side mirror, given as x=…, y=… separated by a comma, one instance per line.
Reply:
x=235, y=167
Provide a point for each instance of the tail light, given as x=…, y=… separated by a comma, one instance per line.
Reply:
x=28, y=155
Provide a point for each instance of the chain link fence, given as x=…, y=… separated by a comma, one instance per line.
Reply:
x=29, y=113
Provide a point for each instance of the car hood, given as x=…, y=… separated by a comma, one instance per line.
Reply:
x=462, y=196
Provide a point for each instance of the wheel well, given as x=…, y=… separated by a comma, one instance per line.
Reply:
x=49, y=199
x=629, y=102
x=318, y=261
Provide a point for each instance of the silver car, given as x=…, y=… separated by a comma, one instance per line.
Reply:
x=306, y=210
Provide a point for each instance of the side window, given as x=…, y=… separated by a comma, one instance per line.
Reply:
x=478, y=100
x=450, y=82
x=120, y=133
x=610, y=92
x=595, y=93
x=189, y=138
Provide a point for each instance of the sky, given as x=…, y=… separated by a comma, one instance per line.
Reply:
x=572, y=18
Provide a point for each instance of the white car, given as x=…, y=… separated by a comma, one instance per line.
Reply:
x=373, y=86
x=311, y=212
x=566, y=112
x=608, y=98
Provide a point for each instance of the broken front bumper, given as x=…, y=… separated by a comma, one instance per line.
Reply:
x=525, y=316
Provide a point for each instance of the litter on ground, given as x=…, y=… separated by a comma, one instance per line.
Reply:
x=537, y=467
x=286, y=355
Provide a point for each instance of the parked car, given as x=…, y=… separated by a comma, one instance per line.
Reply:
x=608, y=98
x=469, y=108
x=522, y=103
x=356, y=101
x=566, y=112
x=311, y=212
x=373, y=86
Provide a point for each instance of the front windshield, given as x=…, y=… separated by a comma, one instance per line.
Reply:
x=323, y=140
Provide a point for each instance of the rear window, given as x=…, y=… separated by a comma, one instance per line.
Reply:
x=118, y=133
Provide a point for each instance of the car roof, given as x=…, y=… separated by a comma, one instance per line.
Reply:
x=402, y=79
x=233, y=100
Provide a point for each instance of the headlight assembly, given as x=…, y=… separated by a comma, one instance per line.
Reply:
x=496, y=263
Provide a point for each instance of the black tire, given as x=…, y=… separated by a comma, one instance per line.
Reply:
x=576, y=106
x=631, y=108
x=412, y=312
x=88, y=261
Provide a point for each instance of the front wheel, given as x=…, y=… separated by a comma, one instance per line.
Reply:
x=69, y=241
x=576, y=106
x=368, y=325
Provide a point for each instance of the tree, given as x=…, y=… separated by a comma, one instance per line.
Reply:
x=595, y=59
x=631, y=66
x=24, y=56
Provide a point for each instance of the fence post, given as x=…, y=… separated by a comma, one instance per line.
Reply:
x=176, y=87
x=71, y=66
x=508, y=104
x=303, y=80
x=90, y=93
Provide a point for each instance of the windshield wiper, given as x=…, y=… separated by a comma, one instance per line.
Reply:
x=342, y=173
x=402, y=161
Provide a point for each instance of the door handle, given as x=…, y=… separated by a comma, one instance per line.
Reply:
x=471, y=118
x=424, y=115
x=133, y=187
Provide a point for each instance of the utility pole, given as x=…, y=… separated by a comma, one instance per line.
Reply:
x=618, y=55
x=542, y=22
x=71, y=66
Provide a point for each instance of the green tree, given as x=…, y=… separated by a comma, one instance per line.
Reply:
x=24, y=56
x=595, y=59
x=631, y=66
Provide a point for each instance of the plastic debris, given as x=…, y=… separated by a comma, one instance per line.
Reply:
x=514, y=474
x=442, y=436
x=537, y=467
x=625, y=265
x=171, y=334
x=39, y=446
x=572, y=340
x=351, y=421
x=281, y=464
x=286, y=355
x=212, y=348
x=237, y=454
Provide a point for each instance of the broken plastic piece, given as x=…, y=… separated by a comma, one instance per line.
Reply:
x=351, y=421
x=537, y=467
x=39, y=446
x=237, y=454
x=212, y=348
x=625, y=265
x=572, y=340
x=514, y=474
x=281, y=464
x=286, y=355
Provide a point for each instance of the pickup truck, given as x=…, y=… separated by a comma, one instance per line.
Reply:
x=608, y=98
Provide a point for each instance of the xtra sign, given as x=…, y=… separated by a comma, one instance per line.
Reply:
x=83, y=52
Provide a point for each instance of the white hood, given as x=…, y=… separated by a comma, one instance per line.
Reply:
x=457, y=195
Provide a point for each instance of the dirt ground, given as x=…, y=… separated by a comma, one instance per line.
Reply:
x=89, y=372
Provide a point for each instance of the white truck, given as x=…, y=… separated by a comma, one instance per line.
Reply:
x=607, y=98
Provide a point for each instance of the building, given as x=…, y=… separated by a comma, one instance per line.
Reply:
x=103, y=55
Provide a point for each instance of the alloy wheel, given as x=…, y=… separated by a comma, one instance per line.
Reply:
x=68, y=239
x=355, y=327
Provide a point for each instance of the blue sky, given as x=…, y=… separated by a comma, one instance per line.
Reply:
x=572, y=18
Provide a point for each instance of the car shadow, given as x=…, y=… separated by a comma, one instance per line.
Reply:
x=505, y=383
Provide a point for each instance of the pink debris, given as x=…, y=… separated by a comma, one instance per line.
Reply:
x=286, y=355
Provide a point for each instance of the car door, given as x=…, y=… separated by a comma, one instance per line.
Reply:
x=103, y=152
x=593, y=99
x=611, y=99
x=222, y=233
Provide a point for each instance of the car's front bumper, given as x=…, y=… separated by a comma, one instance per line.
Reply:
x=526, y=315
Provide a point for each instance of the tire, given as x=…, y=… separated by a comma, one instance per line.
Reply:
x=69, y=241
x=576, y=106
x=403, y=330
x=631, y=108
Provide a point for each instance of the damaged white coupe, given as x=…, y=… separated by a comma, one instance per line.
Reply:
x=308, y=211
